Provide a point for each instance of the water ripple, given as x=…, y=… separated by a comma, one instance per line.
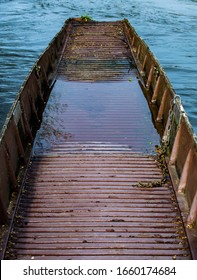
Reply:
x=169, y=27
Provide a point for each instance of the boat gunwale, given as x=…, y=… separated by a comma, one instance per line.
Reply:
x=179, y=176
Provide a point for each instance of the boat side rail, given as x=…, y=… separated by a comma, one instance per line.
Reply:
x=24, y=119
x=182, y=165
x=178, y=138
x=152, y=75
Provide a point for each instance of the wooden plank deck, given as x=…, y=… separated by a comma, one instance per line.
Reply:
x=94, y=187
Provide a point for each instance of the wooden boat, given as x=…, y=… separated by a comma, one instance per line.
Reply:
x=80, y=177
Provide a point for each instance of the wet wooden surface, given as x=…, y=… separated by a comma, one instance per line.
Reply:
x=94, y=189
x=89, y=204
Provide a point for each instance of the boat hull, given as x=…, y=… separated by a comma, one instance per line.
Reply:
x=105, y=99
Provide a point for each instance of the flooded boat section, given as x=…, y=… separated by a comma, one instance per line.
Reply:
x=107, y=112
x=94, y=186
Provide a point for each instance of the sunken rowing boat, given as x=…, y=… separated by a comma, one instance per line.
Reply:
x=98, y=158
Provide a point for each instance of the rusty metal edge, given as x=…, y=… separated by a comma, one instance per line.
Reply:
x=175, y=177
x=11, y=114
x=12, y=215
